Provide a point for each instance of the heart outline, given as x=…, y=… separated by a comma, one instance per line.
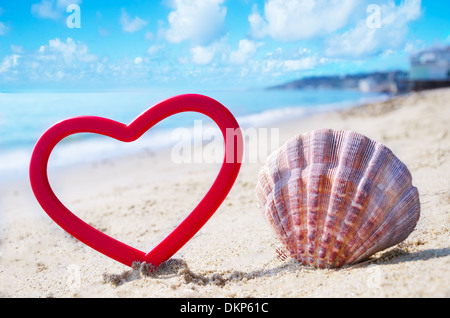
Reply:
x=100, y=241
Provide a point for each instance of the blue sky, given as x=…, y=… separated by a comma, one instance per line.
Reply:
x=208, y=43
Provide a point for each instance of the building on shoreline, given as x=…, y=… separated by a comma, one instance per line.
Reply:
x=430, y=69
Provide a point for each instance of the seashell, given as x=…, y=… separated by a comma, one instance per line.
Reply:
x=335, y=198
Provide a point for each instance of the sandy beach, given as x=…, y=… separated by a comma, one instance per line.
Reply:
x=139, y=200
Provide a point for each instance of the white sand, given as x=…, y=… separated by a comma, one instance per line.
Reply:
x=141, y=199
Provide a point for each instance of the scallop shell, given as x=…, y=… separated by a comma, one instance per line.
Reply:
x=335, y=198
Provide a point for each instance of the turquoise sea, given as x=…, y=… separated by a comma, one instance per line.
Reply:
x=24, y=117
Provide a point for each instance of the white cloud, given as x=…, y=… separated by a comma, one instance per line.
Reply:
x=363, y=41
x=16, y=49
x=155, y=48
x=9, y=62
x=45, y=9
x=131, y=25
x=202, y=55
x=62, y=4
x=149, y=36
x=198, y=21
x=3, y=28
x=290, y=65
x=59, y=60
x=257, y=23
x=293, y=20
x=51, y=9
x=282, y=62
x=305, y=63
x=415, y=46
x=67, y=62
x=68, y=52
x=103, y=31
x=245, y=51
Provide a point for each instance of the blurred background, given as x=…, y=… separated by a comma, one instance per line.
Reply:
x=264, y=59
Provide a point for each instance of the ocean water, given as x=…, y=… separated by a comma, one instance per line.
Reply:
x=25, y=116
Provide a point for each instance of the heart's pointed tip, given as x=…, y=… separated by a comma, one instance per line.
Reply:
x=144, y=267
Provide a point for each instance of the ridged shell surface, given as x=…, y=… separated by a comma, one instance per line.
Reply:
x=335, y=198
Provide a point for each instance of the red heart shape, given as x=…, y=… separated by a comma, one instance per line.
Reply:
x=97, y=125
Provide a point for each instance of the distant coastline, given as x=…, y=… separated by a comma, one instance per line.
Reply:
x=391, y=82
x=394, y=82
